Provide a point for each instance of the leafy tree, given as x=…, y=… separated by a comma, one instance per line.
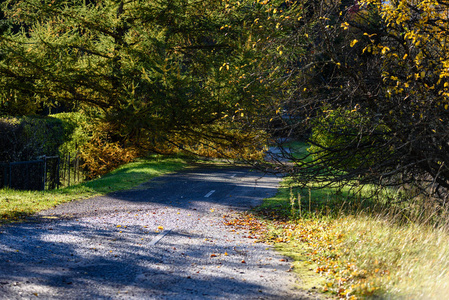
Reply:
x=154, y=71
x=371, y=95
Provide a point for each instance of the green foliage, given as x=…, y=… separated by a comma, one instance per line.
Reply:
x=150, y=69
x=77, y=131
x=370, y=94
x=154, y=72
x=91, y=142
x=339, y=131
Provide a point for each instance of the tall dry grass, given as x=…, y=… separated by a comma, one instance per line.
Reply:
x=382, y=247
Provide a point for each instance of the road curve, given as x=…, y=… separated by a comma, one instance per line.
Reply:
x=164, y=239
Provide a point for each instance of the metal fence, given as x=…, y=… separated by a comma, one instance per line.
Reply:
x=38, y=174
x=45, y=173
x=70, y=171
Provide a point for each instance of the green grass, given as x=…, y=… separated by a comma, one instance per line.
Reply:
x=298, y=149
x=360, y=246
x=354, y=250
x=16, y=205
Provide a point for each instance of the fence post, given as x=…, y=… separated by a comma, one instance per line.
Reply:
x=10, y=172
x=68, y=169
x=78, y=167
x=59, y=175
x=45, y=172
x=5, y=174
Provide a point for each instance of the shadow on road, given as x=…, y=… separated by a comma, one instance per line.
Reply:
x=104, y=249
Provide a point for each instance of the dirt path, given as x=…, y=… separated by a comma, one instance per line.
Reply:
x=163, y=240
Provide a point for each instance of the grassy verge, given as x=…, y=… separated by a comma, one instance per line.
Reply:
x=16, y=205
x=352, y=252
x=353, y=245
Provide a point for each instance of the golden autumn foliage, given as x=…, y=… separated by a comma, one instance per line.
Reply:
x=101, y=157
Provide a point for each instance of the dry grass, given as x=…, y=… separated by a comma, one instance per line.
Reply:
x=358, y=249
x=396, y=261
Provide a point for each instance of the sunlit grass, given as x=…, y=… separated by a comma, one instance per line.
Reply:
x=351, y=251
x=358, y=243
x=399, y=261
x=16, y=205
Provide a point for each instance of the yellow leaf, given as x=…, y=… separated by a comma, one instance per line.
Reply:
x=160, y=227
x=345, y=25
x=353, y=43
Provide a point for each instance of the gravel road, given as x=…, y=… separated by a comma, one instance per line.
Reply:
x=162, y=240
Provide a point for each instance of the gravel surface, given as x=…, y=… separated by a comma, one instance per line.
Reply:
x=162, y=240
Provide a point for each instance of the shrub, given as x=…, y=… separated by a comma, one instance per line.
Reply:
x=340, y=140
x=101, y=157
x=77, y=132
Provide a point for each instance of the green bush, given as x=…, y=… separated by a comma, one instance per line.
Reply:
x=342, y=138
x=76, y=132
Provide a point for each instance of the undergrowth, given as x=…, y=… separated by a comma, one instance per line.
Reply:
x=351, y=246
